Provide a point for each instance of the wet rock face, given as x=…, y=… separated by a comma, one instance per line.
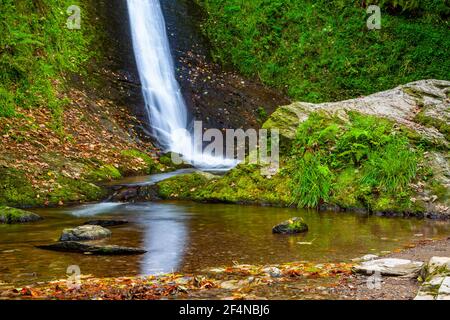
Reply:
x=291, y=226
x=85, y=233
x=220, y=98
x=12, y=216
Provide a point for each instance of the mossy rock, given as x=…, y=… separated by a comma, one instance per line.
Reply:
x=292, y=226
x=12, y=216
x=85, y=233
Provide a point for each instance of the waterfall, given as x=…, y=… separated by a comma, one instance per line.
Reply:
x=164, y=102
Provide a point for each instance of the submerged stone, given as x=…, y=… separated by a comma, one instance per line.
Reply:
x=390, y=267
x=78, y=247
x=106, y=223
x=291, y=226
x=10, y=215
x=85, y=233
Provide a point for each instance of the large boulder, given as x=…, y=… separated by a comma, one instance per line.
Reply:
x=423, y=106
x=94, y=249
x=291, y=226
x=85, y=233
x=390, y=267
x=12, y=215
x=436, y=276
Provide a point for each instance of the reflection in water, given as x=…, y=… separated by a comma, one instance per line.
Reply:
x=165, y=237
x=189, y=237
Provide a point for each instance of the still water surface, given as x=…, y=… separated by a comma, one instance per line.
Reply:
x=189, y=237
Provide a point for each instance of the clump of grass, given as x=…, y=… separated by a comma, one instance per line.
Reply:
x=311, y=181
x=392, y=167
x=367, y=156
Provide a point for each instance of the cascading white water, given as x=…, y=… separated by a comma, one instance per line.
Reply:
x=164, y=102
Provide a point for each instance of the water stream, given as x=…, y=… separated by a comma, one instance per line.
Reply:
x=164, y=102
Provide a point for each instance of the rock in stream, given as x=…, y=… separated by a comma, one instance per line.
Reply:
x=95, y=249
x=106, y=223
x=12, y=216
x=291, y=226
x=85, y=233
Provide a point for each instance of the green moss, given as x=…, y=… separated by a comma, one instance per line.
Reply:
x=12, y=215
x=127, y=155
x=244, y=184
x=442, y=126
x=183, y=186
x=438, y=189
x=16, y=190
x=104, y=173
x=298, y=226
x=72, y=190
x=346, y=190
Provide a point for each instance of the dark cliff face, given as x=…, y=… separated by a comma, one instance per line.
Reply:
x=221, y=99
x=111, y=17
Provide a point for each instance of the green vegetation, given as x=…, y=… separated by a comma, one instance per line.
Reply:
x=366, y=155
x=105, y=172
x=323, y=51
x=182, y=187
x=361, y=163
x=37, y=51
x=16, y=190
x=311, y=181
x=130, y=155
